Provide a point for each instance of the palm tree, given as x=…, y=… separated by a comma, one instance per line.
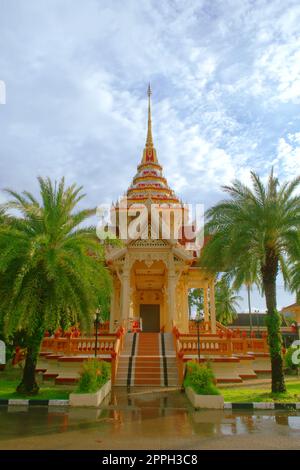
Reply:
x=227, y=302
x=49, y=265
x=262, y=223
x=196, y=299
x=295, y=279
x=104, y=296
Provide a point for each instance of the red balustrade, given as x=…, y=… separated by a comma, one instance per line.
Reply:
x=225, y=345
x=108, y=345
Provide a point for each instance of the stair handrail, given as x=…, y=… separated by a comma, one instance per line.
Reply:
x=222, y=327
x=115, y=354
x=179, y=354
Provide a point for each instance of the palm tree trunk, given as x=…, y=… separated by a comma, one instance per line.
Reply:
x=28, y=385
x=269, y=274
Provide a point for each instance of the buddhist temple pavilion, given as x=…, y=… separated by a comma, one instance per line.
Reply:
x=152, y=275
x=150, y=337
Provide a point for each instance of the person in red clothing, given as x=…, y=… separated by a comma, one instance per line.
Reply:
x=135, y=327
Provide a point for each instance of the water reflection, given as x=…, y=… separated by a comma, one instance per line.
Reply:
x=243, y=422
x=162, y=417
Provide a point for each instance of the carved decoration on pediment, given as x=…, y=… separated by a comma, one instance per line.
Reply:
x=149, y=257
x=149, y=243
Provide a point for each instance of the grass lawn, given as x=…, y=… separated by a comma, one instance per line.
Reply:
x=48, y=391
x=242, y=395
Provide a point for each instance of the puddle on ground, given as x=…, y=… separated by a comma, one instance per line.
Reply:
x=163, y=418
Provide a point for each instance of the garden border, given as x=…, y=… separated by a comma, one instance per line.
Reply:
x=30, y=403
x=227, y=405
x=267, y=405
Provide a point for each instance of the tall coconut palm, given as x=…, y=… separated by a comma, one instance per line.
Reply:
x=49, y=264
x=263, y=223
x=227, y=302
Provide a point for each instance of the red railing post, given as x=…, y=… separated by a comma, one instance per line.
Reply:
x=245, y=350
x=113, y=366
x=230, y=347
x=180, y=365
x=68, y=349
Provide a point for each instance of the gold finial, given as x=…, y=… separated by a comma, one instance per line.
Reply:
x=149, y=141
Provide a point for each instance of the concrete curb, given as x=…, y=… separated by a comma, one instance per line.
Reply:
x=30, y=403
x=227, y=406
x=261, y=406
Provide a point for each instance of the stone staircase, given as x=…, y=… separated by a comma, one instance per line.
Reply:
x=147, y=359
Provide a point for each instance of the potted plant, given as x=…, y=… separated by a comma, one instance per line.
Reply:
x=199, y=384
x=94, y=384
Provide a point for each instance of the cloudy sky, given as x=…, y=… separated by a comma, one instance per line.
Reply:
x=225, y=76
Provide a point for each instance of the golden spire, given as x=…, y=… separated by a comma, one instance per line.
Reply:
x=149, y=140
x=149, y=153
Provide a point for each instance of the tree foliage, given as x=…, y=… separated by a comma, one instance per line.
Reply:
x=227, y=301
x=50, y=266
x=196, y=300
x=261, y=224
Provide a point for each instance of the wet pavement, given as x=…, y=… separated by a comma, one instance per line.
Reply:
x=146, y=419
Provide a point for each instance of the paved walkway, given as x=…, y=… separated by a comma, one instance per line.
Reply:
x=145, y=419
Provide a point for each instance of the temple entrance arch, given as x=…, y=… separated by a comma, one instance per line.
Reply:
x=150, y=317
x=149, y=300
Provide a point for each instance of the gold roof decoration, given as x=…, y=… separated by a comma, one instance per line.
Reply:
x=149, y=181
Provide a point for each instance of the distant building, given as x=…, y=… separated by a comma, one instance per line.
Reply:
x=242, y=322
x=292, y=311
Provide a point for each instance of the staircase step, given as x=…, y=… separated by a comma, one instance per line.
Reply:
x=147, y=382
x=148, y=361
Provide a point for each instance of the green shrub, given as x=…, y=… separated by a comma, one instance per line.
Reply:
x=93, y=376
x=288, y=358
x=201, y=379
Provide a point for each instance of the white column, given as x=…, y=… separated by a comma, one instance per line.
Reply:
x=131, y=302
x=125, y=295
x=171, y=295
x=212, y=308
x=205, y=298
x=171, y=289
x=186, y=309
x=112, y=309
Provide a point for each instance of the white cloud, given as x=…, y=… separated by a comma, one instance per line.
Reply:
x=279, y=65
x=226, y=88
x=76, y=90
x=287, y=161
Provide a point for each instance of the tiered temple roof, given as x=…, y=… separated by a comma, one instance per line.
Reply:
x=149, y=182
